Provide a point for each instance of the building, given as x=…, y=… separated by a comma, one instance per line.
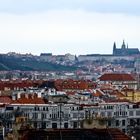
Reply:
x=119, y=80
x=118, y=114
x=104, y=57
x=46, y=56
x=125, y=51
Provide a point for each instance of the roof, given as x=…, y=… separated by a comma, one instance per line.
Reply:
x=117, y=93
x=84, y=134
x=12, y=84
x=116, y=77
x=117, y=101
x=25, y=100
x=97, y=94
x=5, y=100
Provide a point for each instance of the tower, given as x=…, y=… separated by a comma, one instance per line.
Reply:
x=127, y=45
x=114, y=48
x=123, y=46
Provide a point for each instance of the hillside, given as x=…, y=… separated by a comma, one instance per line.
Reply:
x=29, y=64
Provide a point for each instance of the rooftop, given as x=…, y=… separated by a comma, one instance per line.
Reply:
x=76, y=134
x=116, y=77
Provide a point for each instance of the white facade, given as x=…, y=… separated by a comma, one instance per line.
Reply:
x=119, y=115
x=109, y=58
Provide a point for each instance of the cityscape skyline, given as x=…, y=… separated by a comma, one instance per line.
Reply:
x=60, y=27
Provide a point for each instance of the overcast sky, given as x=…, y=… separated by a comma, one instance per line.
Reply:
x=68, y=26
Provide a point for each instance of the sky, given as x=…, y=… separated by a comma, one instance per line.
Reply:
x=68, y=26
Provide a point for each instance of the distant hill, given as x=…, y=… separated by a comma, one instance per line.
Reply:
x=29, y=64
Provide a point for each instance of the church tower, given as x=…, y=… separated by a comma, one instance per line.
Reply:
x=124, y=49
x=123, y=46
x=114, y=48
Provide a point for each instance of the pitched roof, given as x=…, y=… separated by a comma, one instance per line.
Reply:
x=116, y=77
x=117, y=93
x=97, y=94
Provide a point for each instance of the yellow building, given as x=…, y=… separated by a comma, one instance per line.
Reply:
x=131, y=95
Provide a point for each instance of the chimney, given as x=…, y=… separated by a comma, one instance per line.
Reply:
x=26, y=95
x=39, y=95
x=14, y=97
x=18, y=95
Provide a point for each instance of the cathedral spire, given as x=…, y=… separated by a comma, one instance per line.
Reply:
x=123, y=45
x=114, y=45
x=114, y=48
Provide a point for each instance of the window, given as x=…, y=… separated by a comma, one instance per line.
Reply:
x=43, y=125
x=58, y=114
x=35, y=115
x=65, y=125
x=36, y=108
x=42, y=116
x=75, y=115
x=117, y=123
x=123, y=122
x=54, y=125
x=75, y=124
x=109, y=114
x=116, y=113
x=109, y=123
x=43, y=108
x=120, y=113
x=103, y=114
x=137, y=113
x=132, y=122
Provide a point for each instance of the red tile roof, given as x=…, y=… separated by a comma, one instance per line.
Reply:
x=116, y=77
x=12, y=84
x=97, y=94
x=28, y=99
x=31, y=101
x=5, y=100
x=117, y=93
x=74, y=84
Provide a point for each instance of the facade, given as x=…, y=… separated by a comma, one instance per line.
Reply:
x=120, y=115
x=109, y=58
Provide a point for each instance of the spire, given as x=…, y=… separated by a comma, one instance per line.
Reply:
x=114, y=48
x=123, y=45
x=127, y=45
